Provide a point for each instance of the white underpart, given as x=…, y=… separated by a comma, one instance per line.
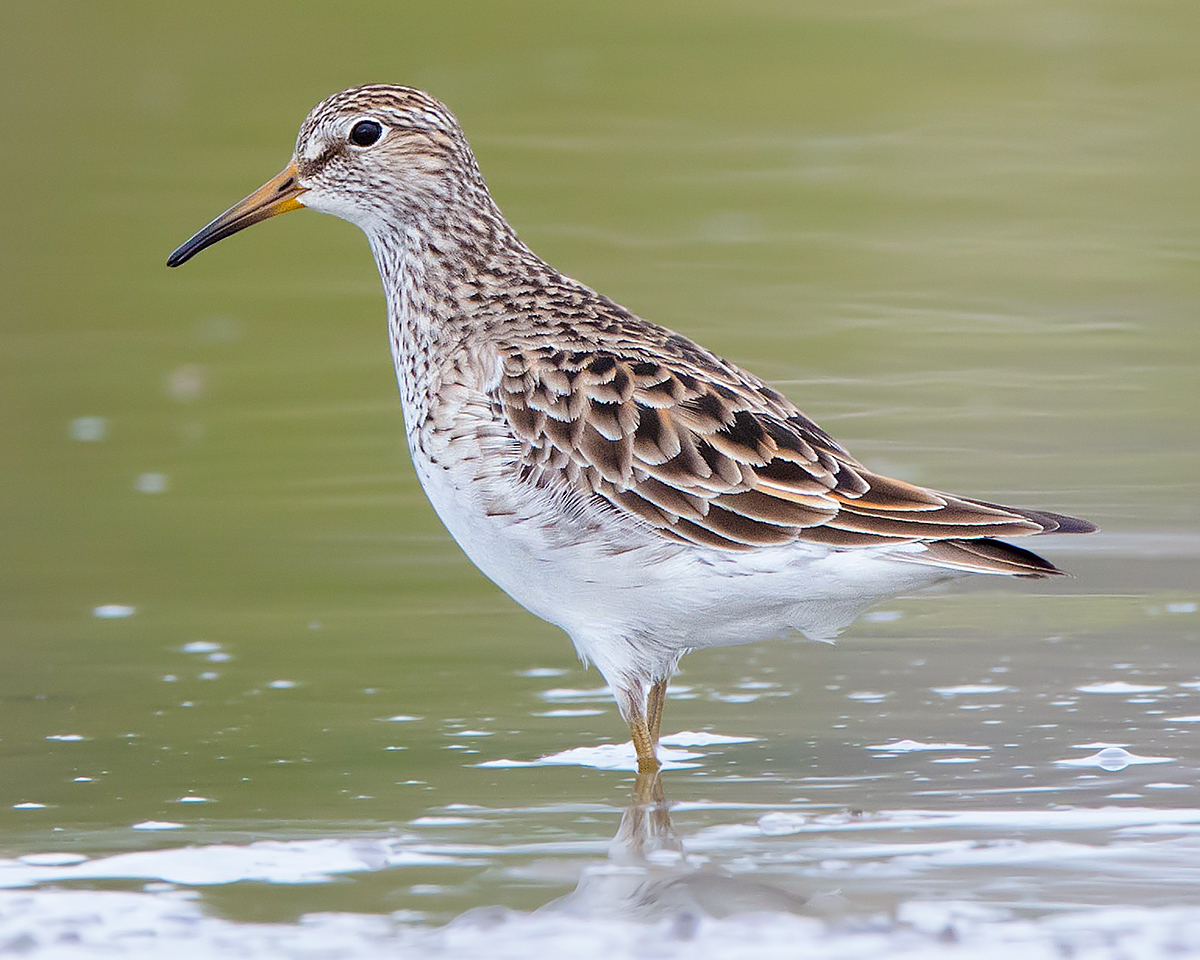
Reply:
x=634, y=614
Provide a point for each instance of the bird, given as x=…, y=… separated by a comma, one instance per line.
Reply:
x=614, y=477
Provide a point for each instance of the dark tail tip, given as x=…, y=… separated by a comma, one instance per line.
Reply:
x=1051, y=522
x=1072, y=524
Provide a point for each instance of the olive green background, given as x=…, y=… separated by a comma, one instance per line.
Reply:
x=961, y=235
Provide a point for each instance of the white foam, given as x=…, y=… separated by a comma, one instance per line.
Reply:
x=89, y=429
x=52, y=859
x=1061, y=819
x=604, y=756
x=915, y=746
x=200, y=646
x=151, y=483
x=441, y=821
x=701, y=738
x=1120, y=686
x=567, y=693
x=621, y=756
x=152, y=925
x=970, y=689
x=264, y=861
x=113, y=611
x=1111, y=758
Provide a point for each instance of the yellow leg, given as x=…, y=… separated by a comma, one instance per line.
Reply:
x=643, y=744
x=654, y=708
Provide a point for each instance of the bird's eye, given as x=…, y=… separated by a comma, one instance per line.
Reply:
x=365, y=132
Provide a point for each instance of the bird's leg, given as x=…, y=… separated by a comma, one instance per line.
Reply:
x=643, y=744
x=655, y=702
x=635, y=703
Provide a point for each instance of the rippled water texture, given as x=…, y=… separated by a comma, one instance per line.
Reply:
x=253, y=702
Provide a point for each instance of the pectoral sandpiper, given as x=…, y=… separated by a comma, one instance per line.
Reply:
x=613, y=477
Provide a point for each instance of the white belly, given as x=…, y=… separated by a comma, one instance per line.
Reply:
x=629, y=598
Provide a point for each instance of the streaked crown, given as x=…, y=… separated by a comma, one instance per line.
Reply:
x=378, y=149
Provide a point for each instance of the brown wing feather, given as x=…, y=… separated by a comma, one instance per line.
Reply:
x=705, y=453
x=987, y=556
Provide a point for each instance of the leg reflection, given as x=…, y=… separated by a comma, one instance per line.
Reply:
x=646, y=823
x=648, y=875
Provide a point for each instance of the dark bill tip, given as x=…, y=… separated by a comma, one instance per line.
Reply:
x=278, y=195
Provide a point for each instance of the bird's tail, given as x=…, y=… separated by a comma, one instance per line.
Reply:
x=983, y=555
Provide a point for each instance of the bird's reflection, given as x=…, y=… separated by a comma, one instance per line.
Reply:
x=649, y=876
x=646, y=827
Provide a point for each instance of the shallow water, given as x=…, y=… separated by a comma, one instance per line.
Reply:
x=255, y=703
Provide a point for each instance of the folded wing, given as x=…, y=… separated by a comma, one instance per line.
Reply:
x=705, y=453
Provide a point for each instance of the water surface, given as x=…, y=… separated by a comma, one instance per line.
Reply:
x=255, y=702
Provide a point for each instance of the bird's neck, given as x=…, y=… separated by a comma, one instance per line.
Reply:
x=440, y=273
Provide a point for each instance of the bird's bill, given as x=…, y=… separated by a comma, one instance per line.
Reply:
x=278, y=195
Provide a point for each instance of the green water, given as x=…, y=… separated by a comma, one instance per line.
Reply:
x=962, y=236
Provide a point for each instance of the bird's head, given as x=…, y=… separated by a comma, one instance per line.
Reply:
x=376, y=155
